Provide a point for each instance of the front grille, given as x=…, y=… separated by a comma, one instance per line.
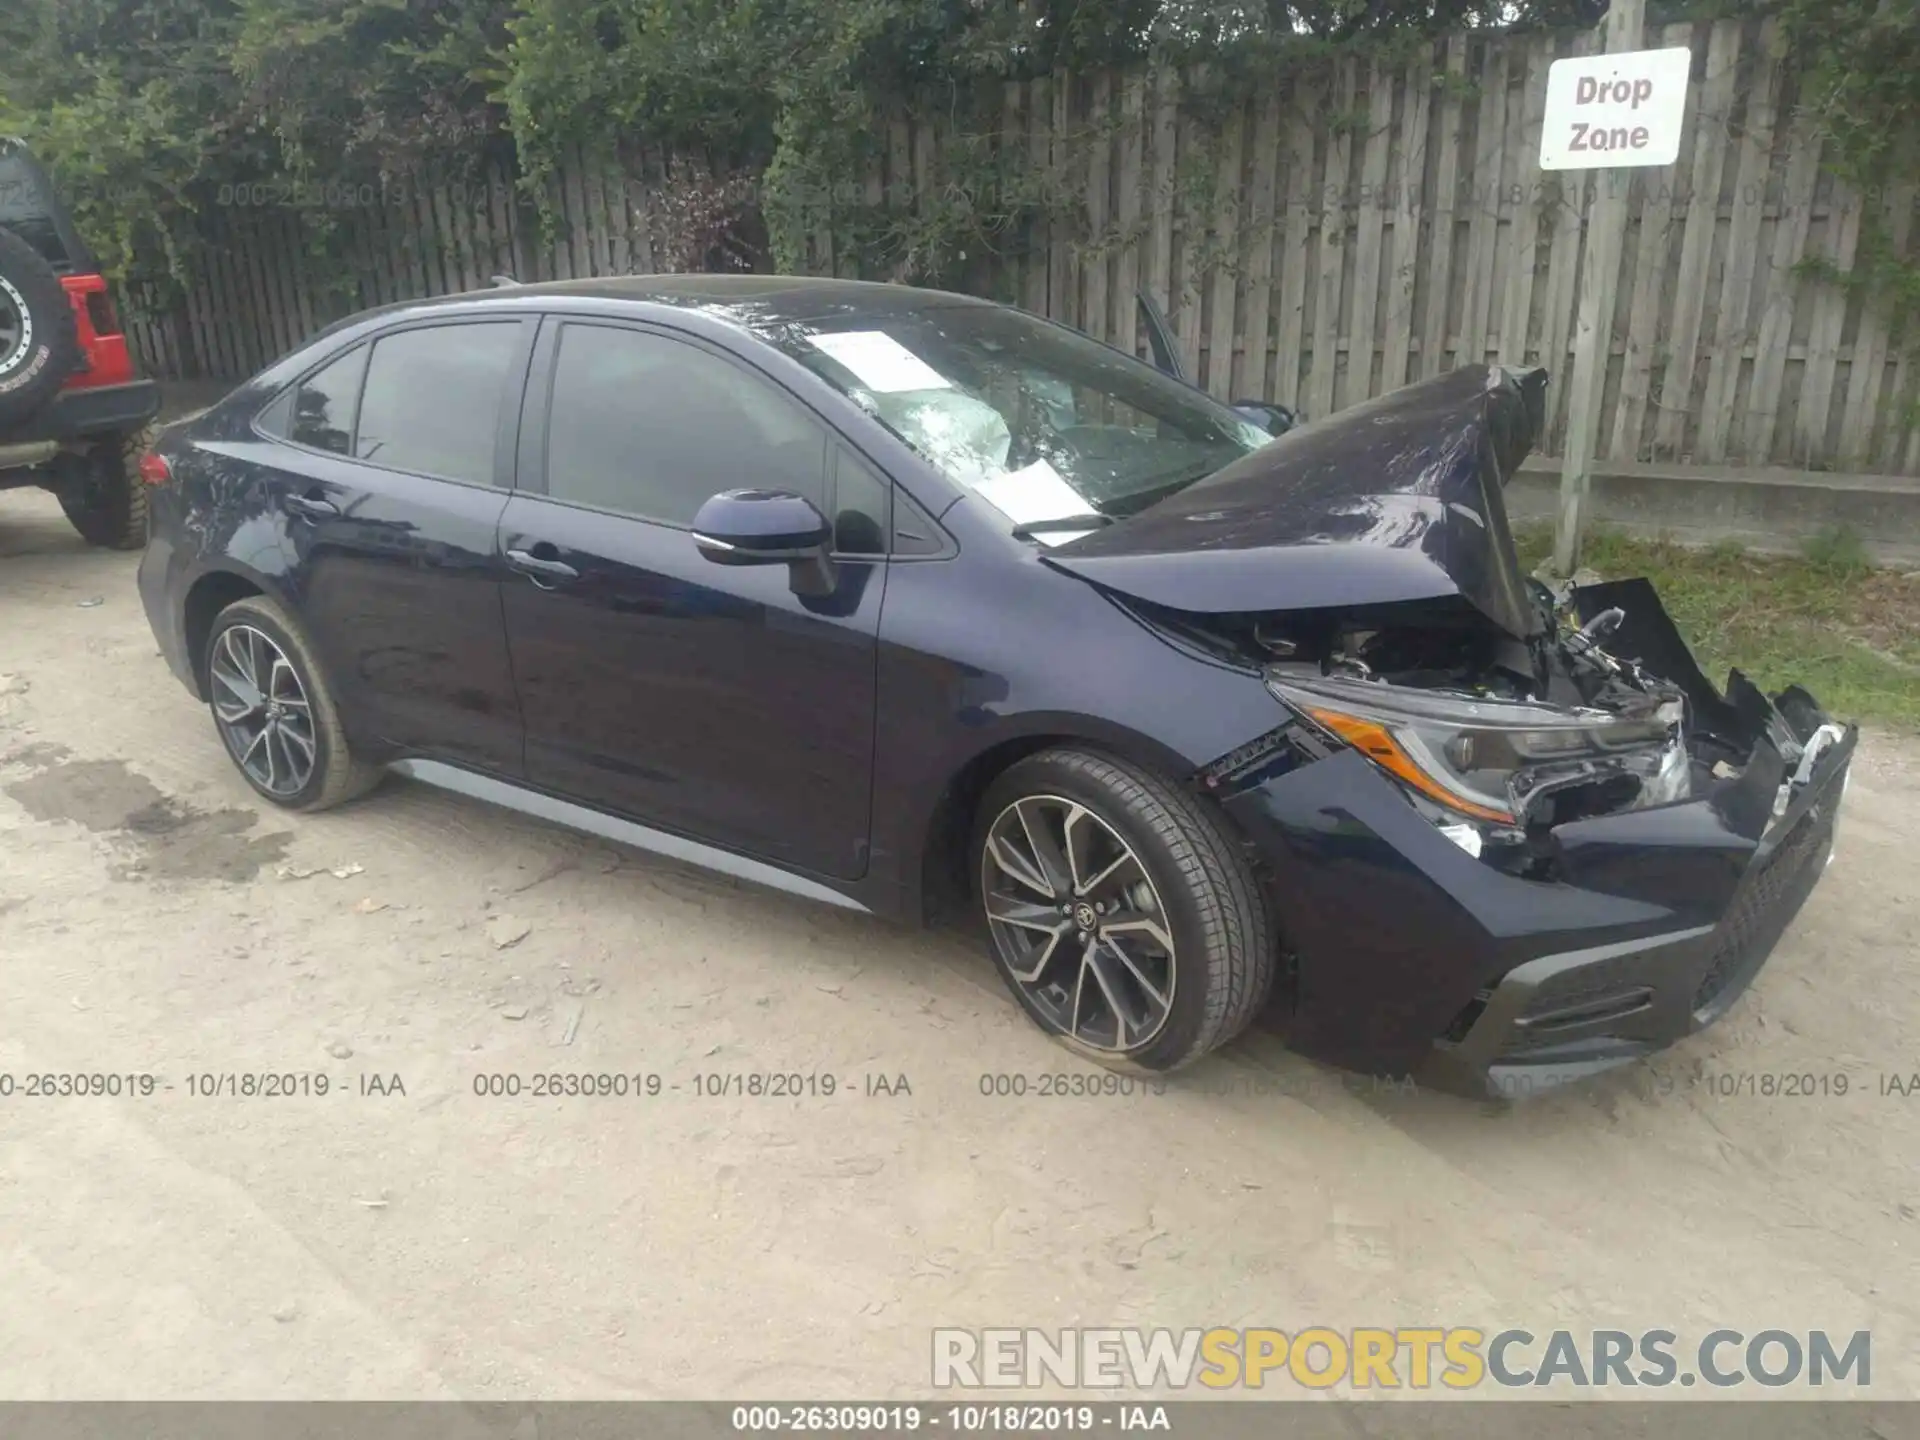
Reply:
x=1755, y=919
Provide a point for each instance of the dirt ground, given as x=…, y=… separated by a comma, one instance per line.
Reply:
x=155, y=919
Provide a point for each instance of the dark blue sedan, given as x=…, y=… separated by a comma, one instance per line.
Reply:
x=915, y=604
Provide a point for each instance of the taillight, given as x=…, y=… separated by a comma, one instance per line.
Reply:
x=154, y=469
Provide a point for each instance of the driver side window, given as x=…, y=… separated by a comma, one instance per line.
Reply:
x=651, y=426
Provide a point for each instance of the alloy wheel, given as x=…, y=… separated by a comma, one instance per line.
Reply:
x=1078, y=923
x=16, y=325
x=262, y=710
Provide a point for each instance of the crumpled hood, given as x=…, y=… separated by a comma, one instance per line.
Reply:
x=1396, y=499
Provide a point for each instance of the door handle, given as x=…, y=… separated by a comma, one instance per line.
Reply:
x=539, y=568
x=312, y=504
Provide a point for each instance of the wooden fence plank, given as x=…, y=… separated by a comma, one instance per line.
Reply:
x=1408, y=187
x=579, y=235
x=1731, y=332
x=1867, y=374
x=1811, y=418
x=256, y=269
x=1127, y=197
x=638, y=200
x=228, y=304
x=1489, y=153
x=1223, y=254
x=417, y=238
x=1322, y=378
x=1190, y=237
x=1012, y=156
x=1062, y=279
x=1901, y=401
x=1563, y=206
x=1262, y=235
x=1040, y=153
x=1368, y=249
x=1165, y=100
x=1296, y=252
x=1094, y=316
x=1778, y=292
x=1434, y=321
x=292, y=283
x=199, y=332
x=599, y=222
x=1516, y=309
x=1713, y=138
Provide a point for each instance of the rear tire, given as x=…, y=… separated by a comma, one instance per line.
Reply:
x=39, y=340
x=102, y=493
x=1155, y=945
x=305, y=763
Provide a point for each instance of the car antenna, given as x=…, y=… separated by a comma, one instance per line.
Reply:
x=500, y=281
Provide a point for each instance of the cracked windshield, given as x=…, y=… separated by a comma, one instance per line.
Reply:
x=1058, y=432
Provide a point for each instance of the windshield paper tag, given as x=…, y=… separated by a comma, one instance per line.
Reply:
x=880, y=362
x=1034, y=493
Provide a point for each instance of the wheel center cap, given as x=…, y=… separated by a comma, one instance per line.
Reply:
x=1084, y=917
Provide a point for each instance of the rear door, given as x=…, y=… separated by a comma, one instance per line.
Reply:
x=706, y=699
x=392, y=465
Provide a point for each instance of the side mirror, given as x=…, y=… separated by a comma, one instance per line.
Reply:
x=768, y=527
x=1274, y=419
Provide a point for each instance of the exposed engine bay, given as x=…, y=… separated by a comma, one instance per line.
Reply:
x=1500, y=738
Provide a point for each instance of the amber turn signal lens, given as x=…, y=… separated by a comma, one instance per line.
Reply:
x=1376, y=742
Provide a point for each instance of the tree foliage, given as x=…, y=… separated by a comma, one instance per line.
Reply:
x=1862, y=90
x=147, y=108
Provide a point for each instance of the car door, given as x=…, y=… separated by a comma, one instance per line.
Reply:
x=392, y=464
x=706, y=699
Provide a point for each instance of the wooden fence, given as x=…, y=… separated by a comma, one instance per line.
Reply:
x=1360, y=226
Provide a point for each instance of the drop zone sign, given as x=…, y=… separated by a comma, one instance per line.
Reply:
x=1624, y=109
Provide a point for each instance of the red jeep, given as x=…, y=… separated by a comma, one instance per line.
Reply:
x=75, y=417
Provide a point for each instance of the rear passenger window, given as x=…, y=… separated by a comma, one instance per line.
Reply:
x=652, y=427
x=319, y=411
x=433, y=397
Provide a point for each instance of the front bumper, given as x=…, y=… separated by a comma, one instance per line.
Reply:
x=1566, y=1016
x=1412, y=958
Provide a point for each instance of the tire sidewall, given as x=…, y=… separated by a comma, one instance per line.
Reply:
x=326, y=744
x=19, y=365
x=1175, y=1040
x=39, y=368
x=102, y=494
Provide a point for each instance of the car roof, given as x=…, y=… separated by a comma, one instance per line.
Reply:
x=748, y=301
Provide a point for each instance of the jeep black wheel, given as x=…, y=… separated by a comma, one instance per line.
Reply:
x=39, y=343
x=1121, y=911
x=274, y=710
x=102, y=493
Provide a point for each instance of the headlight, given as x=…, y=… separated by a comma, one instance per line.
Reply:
x=1485, y=758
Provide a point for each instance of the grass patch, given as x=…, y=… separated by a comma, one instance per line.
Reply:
x=1825, y=620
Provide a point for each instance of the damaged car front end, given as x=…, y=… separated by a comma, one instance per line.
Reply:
x=1515, y=836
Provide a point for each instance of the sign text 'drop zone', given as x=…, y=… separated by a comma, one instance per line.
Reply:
x=1623, y=109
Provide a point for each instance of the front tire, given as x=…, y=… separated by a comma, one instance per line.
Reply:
x=275, y=713
x=1120, y=910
